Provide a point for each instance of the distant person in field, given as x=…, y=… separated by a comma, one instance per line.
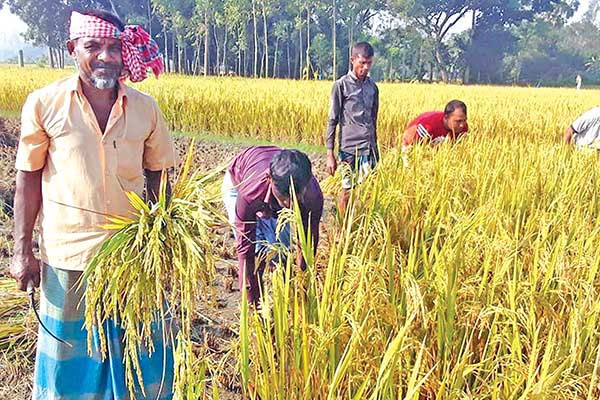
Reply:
x=354, y=106
x=435, y=127
x=85, y=141
x=585, y=131
x=578, y=81
x=256, y=187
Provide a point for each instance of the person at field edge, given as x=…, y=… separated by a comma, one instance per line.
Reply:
x=435, y=127
x=354, y=106
x=584, y=132
x=256, y=186
x=85, y=141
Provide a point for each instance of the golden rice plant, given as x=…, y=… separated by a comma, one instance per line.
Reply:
x=462, y=272
x=151, y=272
x=17, y=326
x=296, y=111
x=470, y=273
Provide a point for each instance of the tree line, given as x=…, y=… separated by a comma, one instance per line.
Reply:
x=517, y=41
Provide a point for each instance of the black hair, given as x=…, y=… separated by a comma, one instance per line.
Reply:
x=107, y=16
x=288, y=166
x=455, y=105
x=363, y=49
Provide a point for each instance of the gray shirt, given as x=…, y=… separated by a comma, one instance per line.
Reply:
x=354, y=106
x=587, y=129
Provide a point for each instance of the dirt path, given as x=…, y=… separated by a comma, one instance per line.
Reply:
x=217, y=323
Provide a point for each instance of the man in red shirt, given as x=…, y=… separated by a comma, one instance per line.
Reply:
x=437, y=126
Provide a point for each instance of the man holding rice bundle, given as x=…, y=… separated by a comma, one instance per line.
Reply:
x=257, y=185
x=354, y=106
x=86, y=141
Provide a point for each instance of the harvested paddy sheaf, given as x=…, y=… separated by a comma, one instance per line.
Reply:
x=9, y=134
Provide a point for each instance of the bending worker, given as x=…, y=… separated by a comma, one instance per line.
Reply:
x=256, y=187
x=435, y=127
x=585, y=131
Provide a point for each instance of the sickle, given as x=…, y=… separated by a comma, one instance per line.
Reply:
x=31, y=293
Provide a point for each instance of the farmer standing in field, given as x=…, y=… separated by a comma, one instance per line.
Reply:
x=85, y=141
x=354, y=106
x=257, y=185
x=435, y=127
x=585, y=131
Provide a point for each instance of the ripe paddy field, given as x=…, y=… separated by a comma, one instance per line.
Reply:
x=469, y=271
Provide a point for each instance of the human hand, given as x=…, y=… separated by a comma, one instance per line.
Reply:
x=25, y=268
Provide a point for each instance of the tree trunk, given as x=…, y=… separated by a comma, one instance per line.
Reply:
x=51, y=57
x=350, y=39
x=467, y=78
x=173, y=54
x=180, y=62
x=265, y=32
x=275, y=58
x=440, y=64
x=245, y=57
x=194, y=61
x=308, y=64
x=206, y=27
x=239, y=54
x=185, y=62
x=149, y=6
x=254, y=24
x=218, y=49
x=300, y=50
x=430, y=71
x=289, y=66
x=167, y=66
x=421, y=64
x=225, y=40
x=334, y=39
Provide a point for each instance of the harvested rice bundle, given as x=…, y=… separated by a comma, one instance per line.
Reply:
x=152, y=270
x=17, y=326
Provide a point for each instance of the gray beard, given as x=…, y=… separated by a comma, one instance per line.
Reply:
x=103, y=83
x=100, y=83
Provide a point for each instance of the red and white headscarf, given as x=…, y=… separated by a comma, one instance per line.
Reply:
x=138, y=50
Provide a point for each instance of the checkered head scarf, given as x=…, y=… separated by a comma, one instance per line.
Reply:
x=138, y=50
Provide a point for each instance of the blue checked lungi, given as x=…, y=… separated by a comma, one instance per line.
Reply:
x=70, y=373
x=355, y=168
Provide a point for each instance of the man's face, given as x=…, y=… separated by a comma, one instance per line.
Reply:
x=361, y=66
x=99, y=60
x=456, y=121
x=286, y=201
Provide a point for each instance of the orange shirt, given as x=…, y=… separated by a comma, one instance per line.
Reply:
x=86, y=173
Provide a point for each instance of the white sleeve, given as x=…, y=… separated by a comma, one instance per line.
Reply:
x=586, y=121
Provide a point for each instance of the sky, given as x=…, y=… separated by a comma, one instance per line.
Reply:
x=10, y=23
x=11, y=40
